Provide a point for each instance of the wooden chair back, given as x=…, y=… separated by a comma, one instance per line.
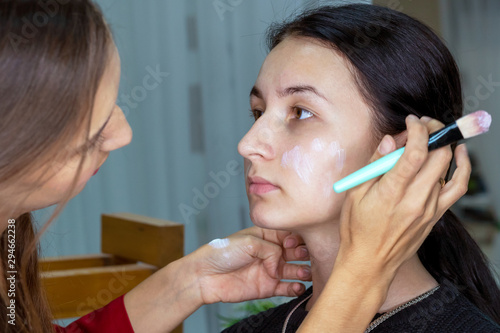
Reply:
x=133, y=247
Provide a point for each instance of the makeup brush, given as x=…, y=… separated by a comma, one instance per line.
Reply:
x=466, y=127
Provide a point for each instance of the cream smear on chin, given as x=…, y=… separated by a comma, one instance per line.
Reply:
x=219, y=243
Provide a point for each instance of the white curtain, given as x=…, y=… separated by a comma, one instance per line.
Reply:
x=200, y=58
x=472, y=31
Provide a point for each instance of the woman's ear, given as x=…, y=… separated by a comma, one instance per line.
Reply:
x=401, y=139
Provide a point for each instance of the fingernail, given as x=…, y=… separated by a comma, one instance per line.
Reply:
x=307, y=271
x=385, y=145
x=304, y=252
x=298, y=288
x=290, y=242
x=412, y=117
x=426, y=119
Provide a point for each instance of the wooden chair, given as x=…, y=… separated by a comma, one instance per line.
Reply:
x=133, y=248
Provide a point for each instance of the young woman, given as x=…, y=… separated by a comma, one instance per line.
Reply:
x=59, y=121
x=336, y=81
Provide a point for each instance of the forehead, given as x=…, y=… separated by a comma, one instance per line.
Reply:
x=106, y=95
x=303, y=60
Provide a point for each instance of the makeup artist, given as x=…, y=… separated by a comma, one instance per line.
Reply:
x=58, y=123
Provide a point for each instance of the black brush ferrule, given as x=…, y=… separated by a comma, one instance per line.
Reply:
x=445, y=136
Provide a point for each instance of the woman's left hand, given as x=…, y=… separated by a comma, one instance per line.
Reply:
x=250, y=264
x=247, y=265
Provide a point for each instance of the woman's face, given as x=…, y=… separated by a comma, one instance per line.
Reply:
x=313, y=128
x=109, y=130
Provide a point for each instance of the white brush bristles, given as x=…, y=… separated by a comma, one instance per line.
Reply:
x=474, y=124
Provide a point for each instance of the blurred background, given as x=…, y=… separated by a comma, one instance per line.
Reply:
x=204, y=56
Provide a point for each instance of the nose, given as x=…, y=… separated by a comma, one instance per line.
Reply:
x=120, y=132
x=259, y=141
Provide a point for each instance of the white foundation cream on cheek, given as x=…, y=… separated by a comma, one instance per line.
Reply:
x=339, y=153
x=318, y=145
x=300, y=162
x=303, y=163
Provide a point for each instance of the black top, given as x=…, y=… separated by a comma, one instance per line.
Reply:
x=446, y=310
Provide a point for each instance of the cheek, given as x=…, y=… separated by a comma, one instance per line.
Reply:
x=64, y=178
x=317, y=165
x=299, y=161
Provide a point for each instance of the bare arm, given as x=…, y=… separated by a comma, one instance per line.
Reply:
x=251, y=265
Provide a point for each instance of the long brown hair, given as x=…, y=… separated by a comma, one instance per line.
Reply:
x=52, y=58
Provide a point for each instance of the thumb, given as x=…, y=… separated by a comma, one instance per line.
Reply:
x=386, y=146
x=269, y=253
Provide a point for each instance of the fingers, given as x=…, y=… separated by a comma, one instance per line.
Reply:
x=252, y=231
x=289, y=289
x=269, y=253
x=296, y=272
x=397, y=179
x=435, y=167
x=294, y=248
x=457, y=186
x=299, y=253
x=293, y=245
x=292, y=240
x=386, y=146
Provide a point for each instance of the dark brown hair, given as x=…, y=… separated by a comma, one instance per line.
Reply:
x=401, y=68
x=52, y=58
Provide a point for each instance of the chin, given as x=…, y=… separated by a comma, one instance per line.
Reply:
x=271, y=219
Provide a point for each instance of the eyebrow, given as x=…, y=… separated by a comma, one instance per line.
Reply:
x=299, y=89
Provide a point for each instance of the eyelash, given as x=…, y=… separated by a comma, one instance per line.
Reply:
x=253, y=114
x=90, y=147
x=256, y=114
x=98, y=142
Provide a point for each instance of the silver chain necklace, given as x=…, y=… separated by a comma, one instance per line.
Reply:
x=377, y=321
x=291, y=312
x=389, y=314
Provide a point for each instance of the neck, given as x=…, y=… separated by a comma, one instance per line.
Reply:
x=11, y=205
x=411, y=279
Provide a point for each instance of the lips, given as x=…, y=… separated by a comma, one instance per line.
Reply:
x=259, y=185
x=100, y=164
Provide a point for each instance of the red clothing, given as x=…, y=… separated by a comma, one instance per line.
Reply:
x=112, y=318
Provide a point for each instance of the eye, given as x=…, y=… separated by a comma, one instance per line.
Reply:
x=301, y=113
x=256, y=114
x=98, y=142
x=92, y=145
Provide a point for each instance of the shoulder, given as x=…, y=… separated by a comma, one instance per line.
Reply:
x=270, y=321
x=446, y=310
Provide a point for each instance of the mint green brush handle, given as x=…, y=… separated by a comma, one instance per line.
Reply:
x=372, y=170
